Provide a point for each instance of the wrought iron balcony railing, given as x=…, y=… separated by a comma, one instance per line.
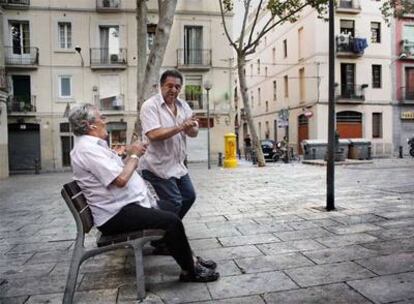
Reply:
x=194, y=58
x=15, y=3
x=407, y=47
x=21, y=56
x=106, y=58
x=108, y=5
x=348, y=45
x=406, y=95
x=348, y=6
x=351, y=93
x=21, y=104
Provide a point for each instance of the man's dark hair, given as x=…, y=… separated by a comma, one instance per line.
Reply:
x=171, y=73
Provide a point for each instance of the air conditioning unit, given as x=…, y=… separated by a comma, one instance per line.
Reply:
x=114, y=58
x=344, y=38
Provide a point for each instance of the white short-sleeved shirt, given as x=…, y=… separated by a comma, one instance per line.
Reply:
x=164, y=158
x=95, y=166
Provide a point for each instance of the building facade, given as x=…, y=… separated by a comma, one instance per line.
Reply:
x=403, y=73
x=58, y=54
x=288, y=78
x=4, y=155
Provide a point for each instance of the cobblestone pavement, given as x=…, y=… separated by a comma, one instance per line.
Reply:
x=266, y=228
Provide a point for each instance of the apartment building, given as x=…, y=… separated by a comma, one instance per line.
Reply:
x=403, y=74
x=288, y=78
x=61, y=53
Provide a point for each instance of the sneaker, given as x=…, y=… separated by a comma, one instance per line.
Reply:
x=210, y=264
x=200, y=274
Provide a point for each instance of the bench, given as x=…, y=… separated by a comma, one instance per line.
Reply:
x=135, y=240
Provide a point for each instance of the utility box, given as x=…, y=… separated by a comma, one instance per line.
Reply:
x=314, y=148
x=359, y=148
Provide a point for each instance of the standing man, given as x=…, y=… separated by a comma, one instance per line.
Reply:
x=166, y=122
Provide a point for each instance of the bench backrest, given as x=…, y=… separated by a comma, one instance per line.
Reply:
x=78, y=205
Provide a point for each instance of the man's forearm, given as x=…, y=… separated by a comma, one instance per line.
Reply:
x=129, y=168
x=164, y=133
x=192, y=132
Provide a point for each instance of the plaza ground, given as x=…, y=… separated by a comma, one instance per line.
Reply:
x=266, y=228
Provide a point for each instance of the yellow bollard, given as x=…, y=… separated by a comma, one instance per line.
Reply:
x=230, y=160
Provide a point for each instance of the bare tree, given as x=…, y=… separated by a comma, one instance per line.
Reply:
x=148, y=69
x=277, y=13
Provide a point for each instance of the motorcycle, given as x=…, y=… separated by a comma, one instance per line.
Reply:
x=280, y=151
x=410, y=142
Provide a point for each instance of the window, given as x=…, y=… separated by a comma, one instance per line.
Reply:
x=259, y=97
x=285, y=50
x=347, y=27
x=252, y=98
x=300, y=43
x=273, y=55
x=302, y=85
x=375, y=32
x=193, y=44
x=376, y=125
x=258, y=66
x=274, y=90
x=65, y=35
x=267, y=131
x=65, y=86
x=376, y=76
x=267, y=106
x=109, y=45
x=260, y=131
x=265, y=71
x=20, y=36
x=286, y=82
x=251, y=70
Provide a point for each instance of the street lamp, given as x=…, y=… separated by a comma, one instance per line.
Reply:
x=207, y=87
x=78, y=50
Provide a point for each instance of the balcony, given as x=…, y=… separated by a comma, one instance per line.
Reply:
x=111, y=104
x=406, y=95
x=108, y=6
x=104, y=58
x=21, y=57
x=15, y=4
x=194, y=59
x=25, y=104
x=348, y=7
x=351, y=93
x=351, y=47
x=407, y=47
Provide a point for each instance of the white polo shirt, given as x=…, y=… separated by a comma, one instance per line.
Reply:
x=95, y=166
x=164, y=158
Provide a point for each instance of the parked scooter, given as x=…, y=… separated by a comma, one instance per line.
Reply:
x=280, y=151
x=410, y=142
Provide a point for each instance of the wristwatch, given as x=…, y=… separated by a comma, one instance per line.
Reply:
x=134, y=156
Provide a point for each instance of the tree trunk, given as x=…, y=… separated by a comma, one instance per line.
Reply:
x=148, y=72
x=241, y=62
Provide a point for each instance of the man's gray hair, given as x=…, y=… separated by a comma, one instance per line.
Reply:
x=80, y=117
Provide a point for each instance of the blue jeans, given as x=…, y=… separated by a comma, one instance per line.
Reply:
x=176, y=194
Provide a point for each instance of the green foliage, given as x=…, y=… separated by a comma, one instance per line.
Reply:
x=397, y=9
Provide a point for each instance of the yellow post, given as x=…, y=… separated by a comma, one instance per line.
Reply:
x=230, y=160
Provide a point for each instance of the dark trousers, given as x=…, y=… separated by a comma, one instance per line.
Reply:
x=134, y=217
x=176, y=194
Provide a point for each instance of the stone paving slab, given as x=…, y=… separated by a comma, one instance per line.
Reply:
x=328, y=273
x=340, y=254
x=390, y=264
x=244, y=300
x=250, y=284
x=386, y=289
x=327, y=294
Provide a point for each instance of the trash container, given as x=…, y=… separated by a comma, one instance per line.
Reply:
x=343, y=147
x=314, y=148
x=359, y=148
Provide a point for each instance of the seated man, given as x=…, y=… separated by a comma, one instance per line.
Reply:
x=118, y=197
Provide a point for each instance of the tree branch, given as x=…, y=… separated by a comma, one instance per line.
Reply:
x=232, y=43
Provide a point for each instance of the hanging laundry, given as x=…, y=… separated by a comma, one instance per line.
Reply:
x=360, y=44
